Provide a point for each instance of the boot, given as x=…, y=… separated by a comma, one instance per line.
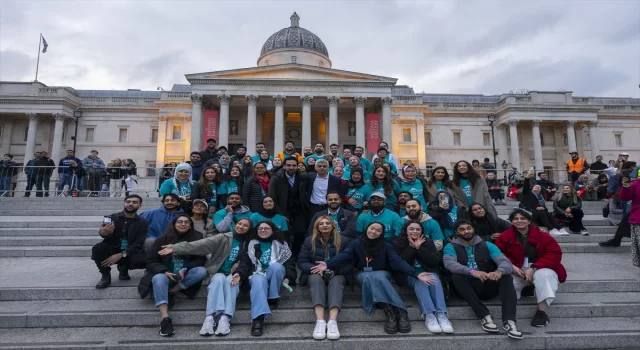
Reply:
x=404, y=326
x=105, y=281
x=391, y=322
x=257, y=325
x=123, y=273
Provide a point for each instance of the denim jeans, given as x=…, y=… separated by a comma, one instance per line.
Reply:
x=160, y=283
x=376, y=288
x=221, y=298
x=263, y=287
x=431, y=298
x=65, y=179
x=5, y=186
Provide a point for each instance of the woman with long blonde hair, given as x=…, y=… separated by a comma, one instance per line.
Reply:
x=324, y=244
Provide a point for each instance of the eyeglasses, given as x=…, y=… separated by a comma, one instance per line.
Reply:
x=182, y=222
x=264, y=228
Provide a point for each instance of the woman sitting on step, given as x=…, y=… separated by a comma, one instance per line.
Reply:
x=568, y=208
x=533, y=201
x=374, y=259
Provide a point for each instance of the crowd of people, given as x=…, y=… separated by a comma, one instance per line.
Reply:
x=261, y=224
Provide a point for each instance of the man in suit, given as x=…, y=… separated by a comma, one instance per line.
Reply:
x=287, y=188
x=344, y=219
x=319, y=184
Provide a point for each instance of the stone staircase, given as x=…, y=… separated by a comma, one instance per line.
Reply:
x=48, y=299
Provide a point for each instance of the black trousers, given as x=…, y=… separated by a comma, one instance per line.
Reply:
x=496, y=194
x=472, y=290
x=623, y=230
x=31, y=181
x=94, y=182
x=575, y=222
x=101, y=251
x=544, y=218
x=297, y=232
x=42, y=181
x=316, y=208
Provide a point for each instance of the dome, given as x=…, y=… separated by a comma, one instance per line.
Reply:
x=294, y=37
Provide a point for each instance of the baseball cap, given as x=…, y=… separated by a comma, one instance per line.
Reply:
x=624, y=154
x=201, y=201
x=379, y=195
x=574, y=152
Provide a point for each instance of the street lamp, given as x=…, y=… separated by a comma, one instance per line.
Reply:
x=505, y=165
x=492, y=119
x=77, y=114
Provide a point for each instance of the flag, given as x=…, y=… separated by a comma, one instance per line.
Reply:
x=45, y=45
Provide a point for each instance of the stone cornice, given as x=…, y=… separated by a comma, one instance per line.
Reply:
x=39, y=102
x=121, y=110
x=268, y=82
x=172, y=104
x=621, y=117
x=416, y=109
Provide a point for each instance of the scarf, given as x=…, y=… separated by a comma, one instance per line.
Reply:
x=565, y=201
x=264, y=181
x=280, y=253
x=540, y=198
x=269, y=214
x=373, y=247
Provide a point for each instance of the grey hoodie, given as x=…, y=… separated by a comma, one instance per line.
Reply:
x=224, y=224
x=451, y=262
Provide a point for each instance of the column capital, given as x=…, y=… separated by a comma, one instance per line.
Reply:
x=395, y=121
x=224, y=99
x=306, y=99
x=188, y=118
x=593, y=124
x=196, y=98
x=252, y=99
x=512, y=122
x=570, y=123
x=420, y=121
x=33, y=116
x=386, y=101
x=162, y=118
x=536, y=122
x=60, y=116
x=359, y=101
x=333, y=100
x=279, y=99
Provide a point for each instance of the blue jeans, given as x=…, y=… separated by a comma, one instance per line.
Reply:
x=5, y=186
x=431, y=298
x=265, y=287
x=65, y=179
x=221, y=298
x=376, y=288
x=160, y=283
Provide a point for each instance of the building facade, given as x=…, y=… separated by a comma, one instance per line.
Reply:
x=294, y=93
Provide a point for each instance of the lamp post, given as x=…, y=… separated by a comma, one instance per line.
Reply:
x=504, y=166
x=492, y=119
x=77, y=114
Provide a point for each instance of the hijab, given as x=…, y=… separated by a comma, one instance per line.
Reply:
x=373, y=247
x=445, y=220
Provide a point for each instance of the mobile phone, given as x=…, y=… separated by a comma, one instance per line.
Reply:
x=106, y=220
x=444, y=200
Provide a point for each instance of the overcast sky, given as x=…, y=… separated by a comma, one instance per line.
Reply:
x=470, y=46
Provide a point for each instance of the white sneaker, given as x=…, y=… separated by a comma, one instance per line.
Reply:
x=207, y=326
x=320, y=332
x=584, y=232
x=332, y=330
x=224, y=327
x=488, y=325
x=563, y=232
x=556, y=232
x=444, y=323
x=432, y=324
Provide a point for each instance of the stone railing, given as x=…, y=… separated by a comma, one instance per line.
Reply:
x=118, y=100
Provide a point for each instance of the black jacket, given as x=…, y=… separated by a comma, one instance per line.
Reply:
x=279, y=191
x=307, y=258
x=115, y=173
x=77, y=171
x=252, y=195
x=334, y=185
x=427, y=255
x=202, y=192
x=40, y=165
x=7, y=168
x=246, y=267
x=492, y=225
x=346, y=222
x=133, y=229
x=205, y=155
x=529, y=200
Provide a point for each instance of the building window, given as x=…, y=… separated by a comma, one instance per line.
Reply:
x=294, y=59
x=26, y=133
x=88, y=134
x=427, y=138
x=154, y=135
x=618, y=139
x=406, y=135
x=176, y=132
x=122, y=135
x=456, y=138
x=151, y=168
x=429, y=169
x=565, y=140
x=0, y=133
x=486, y=139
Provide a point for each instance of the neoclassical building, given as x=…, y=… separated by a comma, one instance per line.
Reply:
x=294, y=93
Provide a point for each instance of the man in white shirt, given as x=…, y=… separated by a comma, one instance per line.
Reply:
x=319, y=184
x=391, y=158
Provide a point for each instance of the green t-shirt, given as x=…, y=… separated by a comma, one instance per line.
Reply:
x=466, y=187
x=214, y=199
x=494, y=251
x=265, y=259
x=232, y=258
x=177, y=262
x=418, y=267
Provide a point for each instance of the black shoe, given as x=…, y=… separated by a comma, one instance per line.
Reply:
x=166, y=327
x=172, y=301
x=105, y=281
x=446, y=286
x=257, y=325
x=391, y=321
x=528, y=291
x=273, y=303
x=124, y=275
x=609, y=243
x=404, y=326
x=541, y=319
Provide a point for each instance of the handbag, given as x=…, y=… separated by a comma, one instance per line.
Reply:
x=605, y=211
x=581, y=192
x=512, y=192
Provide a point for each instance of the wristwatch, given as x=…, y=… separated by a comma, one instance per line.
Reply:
x=124, y=253
x=471, y=272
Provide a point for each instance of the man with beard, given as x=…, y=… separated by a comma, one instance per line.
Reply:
x=318, y=153
x=576, y=166
x=344, y=219
x=259, y=148
x=241, y=152
x=197, y=165
x=211, y=152
x=225, y=219
x=364, y=162
x=389, y=219
x=334, y=148
x=430, y=227
x=479, y=272
x=123, y=236
x=289, y=151
x=306, y=151
x=403, y=198
x=598, y=166
x=160, y=218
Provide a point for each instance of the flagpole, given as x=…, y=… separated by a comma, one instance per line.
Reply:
x=38, y=64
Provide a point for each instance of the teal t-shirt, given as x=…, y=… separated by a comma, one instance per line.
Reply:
x=440, y=186
x=402, y=212
x=169, y=186
x=389, y=219
x=360, y=194
x=234, y=255
x=366, y=164
x=229, y=186
x=393, y=167
x=214, y=199
x=453, y=214
x=256, y=158
x=177, y=262
x=334, y=217
x=265, y=259
x=220, y=215
x=366, y=174
x=416, y=190
x=494, y=251
x=314, y=156
x=392, y=199
x=418, y=267
x=277, y=220
x=466, y=187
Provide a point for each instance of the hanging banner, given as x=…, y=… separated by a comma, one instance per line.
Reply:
x=209, y=126
x=372, y=124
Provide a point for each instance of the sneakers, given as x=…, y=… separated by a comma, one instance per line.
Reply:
x=273, y=303
x=391, y=321
x=584, y=232
x=540, y=319
x=404, y=326
x=256, y=326
x=432, y=323
x=224, y=326
x=560, y=232
x=609, y=243
x=564, y=232
x=166, y=327
x=512, y=330
x=207, y=326
x=488, y=325
x=444, y=323
x=320, y=332
x=105, y=281
x=332, y=330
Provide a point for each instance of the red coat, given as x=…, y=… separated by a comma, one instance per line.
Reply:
x=549, y=252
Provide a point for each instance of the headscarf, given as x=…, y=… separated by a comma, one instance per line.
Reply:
x=404, y=179
x=182, y=166
x=445, y=220
x=359, y=183
x=373, y=247
x=484, y=225
x=268, y=213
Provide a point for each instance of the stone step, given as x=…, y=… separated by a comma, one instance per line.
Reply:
x=588, y=220
x=624, y=248
x=45, y=251
x=31, y=232
x=571, y=333
x=50, y=241
x=46, y=222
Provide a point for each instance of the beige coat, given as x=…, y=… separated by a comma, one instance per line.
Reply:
x=216, y=247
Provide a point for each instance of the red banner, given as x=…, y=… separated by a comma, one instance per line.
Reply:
x=209, y=126
x=373, y=132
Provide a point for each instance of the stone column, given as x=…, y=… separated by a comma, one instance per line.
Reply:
x=162, y=140
x=306, y=120
x=386, y=121
x=252, y=100
x=57, y=139
x=223, y=131
x=571, y=135
x=196, y=125
x=537, y=146
x=515, y=149
x=503, y=148
x=278, y=133
x=188, y=127
x=7, y=129
x=422, y=152
x=31, y=136
x=333, y=119
x=593, y=138
x=360, y=126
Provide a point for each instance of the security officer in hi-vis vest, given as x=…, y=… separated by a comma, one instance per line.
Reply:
x=576, y=166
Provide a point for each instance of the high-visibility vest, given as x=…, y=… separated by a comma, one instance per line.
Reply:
x=578, y=167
